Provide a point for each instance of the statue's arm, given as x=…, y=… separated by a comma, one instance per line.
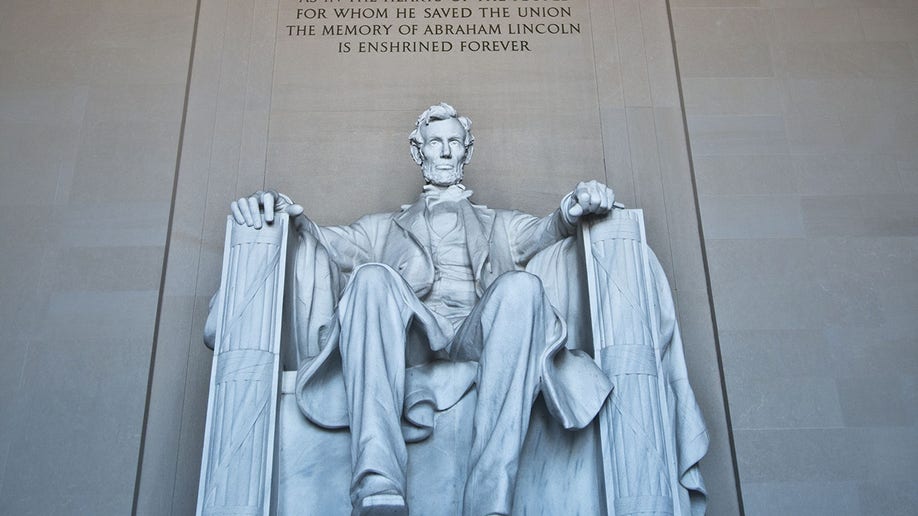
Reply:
x=529, y=234
x=351, y=245
x=347, y=246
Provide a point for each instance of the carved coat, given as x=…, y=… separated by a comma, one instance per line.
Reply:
x=498, y=241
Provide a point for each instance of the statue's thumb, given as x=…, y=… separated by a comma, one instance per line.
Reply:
x=575, y=211
x=294, y=210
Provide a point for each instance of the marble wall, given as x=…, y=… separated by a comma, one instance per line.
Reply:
x=91, y=100
x=330, y=129
x=802, y=119
x=803, y=124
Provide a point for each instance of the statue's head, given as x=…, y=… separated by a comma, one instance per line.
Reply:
x=441, y=144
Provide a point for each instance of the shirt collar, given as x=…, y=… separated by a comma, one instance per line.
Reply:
x=436, y=194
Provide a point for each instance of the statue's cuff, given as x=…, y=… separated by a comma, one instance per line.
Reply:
x=566, y=204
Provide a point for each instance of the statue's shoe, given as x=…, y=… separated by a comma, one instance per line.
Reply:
x=381, y=505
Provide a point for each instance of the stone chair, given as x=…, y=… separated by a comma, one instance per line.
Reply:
x=262, y=456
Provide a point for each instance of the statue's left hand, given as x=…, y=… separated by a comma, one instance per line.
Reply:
x=587, y=198
x=260, y=207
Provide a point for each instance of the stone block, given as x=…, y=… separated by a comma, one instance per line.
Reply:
x=737, y=135
x=812, y=498
x=826, y=24
x=732, y=95
x=723, y=42
x=752, y=216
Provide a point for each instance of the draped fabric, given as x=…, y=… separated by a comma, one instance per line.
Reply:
x=573, y=387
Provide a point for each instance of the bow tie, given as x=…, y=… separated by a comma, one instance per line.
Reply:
x=434, y=195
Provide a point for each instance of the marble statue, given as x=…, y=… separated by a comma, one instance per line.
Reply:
x=398, y=315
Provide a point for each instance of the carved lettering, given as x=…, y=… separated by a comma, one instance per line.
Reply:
x=462, y=30
x=494, y=46
x=360, y=28
x=447, y=12
x=363, y=13
x=356, y=30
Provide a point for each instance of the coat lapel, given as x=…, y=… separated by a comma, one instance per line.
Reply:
x=411, y=220
x=479, y=223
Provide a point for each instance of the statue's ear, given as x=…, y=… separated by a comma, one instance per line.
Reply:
x=468, y=154
x=416, y=153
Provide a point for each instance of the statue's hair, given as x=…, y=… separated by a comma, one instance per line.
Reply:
x=441, y=111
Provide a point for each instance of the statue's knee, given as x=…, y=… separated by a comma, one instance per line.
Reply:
x=519, y=284
x=373, y=274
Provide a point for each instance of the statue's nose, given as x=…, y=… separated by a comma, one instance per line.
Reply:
x=445, y=151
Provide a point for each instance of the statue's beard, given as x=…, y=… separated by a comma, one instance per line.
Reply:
x=441, y=177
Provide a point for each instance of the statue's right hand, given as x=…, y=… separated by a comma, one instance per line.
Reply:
x=259, y=208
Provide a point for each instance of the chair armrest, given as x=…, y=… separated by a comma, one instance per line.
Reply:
x=239, y=438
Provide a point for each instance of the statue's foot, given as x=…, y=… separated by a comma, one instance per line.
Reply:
x=383, y=504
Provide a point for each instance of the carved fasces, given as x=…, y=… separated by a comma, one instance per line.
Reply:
x=236, y=475
x=635, y=427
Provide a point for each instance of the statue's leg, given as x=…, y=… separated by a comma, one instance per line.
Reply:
x=374, y=312
x=506, y=333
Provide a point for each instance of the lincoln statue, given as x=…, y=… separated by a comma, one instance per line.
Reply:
x=434, y=301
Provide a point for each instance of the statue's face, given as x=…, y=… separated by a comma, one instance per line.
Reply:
x=443, y=152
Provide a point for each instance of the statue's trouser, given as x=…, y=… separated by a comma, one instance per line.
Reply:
x=505, y=333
